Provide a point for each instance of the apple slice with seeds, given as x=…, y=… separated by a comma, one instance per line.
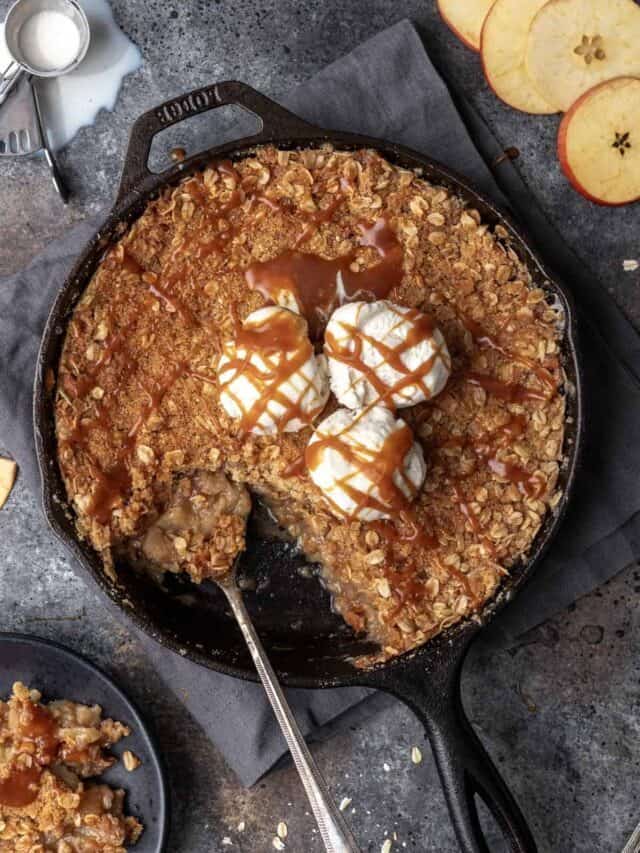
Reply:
x=599, y=142
x=503, y=46
x=575, y=44
x=465, y=18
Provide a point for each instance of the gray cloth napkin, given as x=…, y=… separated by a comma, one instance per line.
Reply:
x=388, y=88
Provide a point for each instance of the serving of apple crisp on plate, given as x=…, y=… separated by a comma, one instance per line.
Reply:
x=50, y=799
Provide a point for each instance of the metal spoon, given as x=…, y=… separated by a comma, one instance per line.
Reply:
x=334, y=831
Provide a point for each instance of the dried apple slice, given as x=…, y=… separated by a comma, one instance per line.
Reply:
x=8, y=470
x=599, y=142
x=465, y=18
x=503, y=46
x=575, y=44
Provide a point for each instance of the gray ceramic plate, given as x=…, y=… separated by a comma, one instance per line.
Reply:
x=61, y=674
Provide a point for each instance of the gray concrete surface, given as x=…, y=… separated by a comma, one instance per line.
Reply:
x=560, y=710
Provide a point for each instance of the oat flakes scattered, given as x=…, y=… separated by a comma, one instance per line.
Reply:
x=130, y=760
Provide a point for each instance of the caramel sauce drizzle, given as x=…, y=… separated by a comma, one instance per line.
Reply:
x=378, y=466
x=510, y=392
x=194, y=246
x=112, y=484
x=349, y=352
x=406, y=528
x=20, y=788
x=316, y=219
x=484, y=339
x=36, y=736
x=406, y=584
x=486, y=448
x=296, y=468
x=473, y=520
x=129, y=264
x=280, y=341
x=314, y=281
x=173, y=303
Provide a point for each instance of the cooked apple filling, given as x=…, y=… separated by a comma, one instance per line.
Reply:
x=201, y=529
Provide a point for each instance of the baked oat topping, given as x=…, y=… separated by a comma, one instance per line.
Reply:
x=48, y=754
x=138, y=408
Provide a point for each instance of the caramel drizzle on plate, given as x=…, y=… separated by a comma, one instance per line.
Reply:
x=315, y=281
x=36, y=737
x=282, y=347
x=349, y=352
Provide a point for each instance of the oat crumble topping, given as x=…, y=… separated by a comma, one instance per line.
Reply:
x=143, y=438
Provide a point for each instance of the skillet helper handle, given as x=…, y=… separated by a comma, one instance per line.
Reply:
x=335, y=833
x=464, y=765
x=275, y=120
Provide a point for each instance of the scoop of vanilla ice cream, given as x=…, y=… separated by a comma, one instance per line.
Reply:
x=383, y=351
x=366, y=463
x=267, y=388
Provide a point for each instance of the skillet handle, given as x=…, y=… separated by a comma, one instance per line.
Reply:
x=275, y=121
x=464, y=765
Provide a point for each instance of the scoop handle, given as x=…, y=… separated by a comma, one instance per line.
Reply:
x=8, y=79
x=333, y=828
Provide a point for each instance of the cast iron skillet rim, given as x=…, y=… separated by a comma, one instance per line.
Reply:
x=127, y=209
x=163, y=809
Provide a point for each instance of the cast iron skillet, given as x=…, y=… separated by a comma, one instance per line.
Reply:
x=308, y=645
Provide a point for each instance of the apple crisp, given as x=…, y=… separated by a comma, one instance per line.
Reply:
x=47, y=755
x=141, y=431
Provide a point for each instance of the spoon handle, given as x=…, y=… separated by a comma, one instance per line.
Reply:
x=334, y=831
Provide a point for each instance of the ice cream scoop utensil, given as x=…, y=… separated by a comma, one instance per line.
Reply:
x=21, y=131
